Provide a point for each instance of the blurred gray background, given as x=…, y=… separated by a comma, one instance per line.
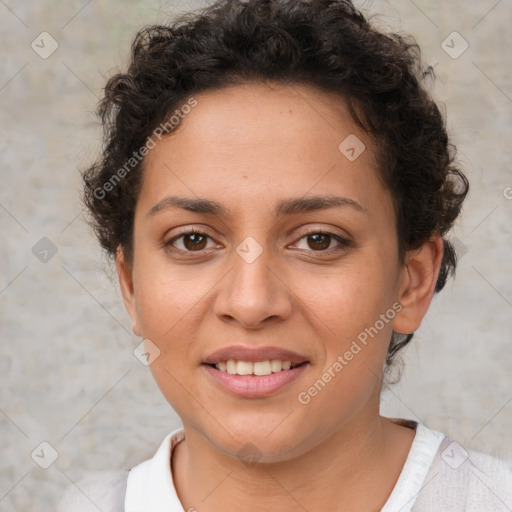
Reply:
x=69, y=376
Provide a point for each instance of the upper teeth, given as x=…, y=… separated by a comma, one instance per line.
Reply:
x=249, y=368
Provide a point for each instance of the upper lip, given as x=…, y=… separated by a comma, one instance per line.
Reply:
x=254, y=354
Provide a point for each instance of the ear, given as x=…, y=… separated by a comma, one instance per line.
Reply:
x=124, y=273
x=418, y=281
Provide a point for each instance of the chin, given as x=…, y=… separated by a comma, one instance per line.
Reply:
x=255, y=442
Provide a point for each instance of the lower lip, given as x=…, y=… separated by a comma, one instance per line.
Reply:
x=254, y=386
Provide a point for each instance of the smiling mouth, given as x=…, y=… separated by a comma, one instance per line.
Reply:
x=256, y=368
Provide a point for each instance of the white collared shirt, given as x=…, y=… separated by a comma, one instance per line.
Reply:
x=438, y=475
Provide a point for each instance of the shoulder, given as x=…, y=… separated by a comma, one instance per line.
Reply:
x=107, y=490
x=96, y=490
x=465, y=479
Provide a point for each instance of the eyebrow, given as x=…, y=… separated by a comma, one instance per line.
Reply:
x=283, y=208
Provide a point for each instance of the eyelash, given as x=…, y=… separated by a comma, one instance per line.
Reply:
x=343, y=242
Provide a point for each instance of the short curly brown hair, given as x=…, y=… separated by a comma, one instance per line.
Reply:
x=327, y=44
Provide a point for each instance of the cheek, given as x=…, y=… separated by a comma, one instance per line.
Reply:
x=348, y=300
x=166, y=300
x=354, y=342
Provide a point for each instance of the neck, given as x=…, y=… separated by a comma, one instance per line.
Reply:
x=354, y=469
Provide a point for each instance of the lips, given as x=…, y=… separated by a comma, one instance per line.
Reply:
x=253, y=383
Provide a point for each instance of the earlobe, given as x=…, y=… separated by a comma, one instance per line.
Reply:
x=124, y=274
x=417, y=285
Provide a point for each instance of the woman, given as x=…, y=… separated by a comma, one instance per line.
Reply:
x=276, y=188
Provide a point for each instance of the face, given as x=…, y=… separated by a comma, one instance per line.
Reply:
x=290, y=257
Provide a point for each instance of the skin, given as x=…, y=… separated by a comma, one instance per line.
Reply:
x=248, y=147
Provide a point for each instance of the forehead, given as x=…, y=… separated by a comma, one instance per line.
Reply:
x=258, y=140
x=266, y=116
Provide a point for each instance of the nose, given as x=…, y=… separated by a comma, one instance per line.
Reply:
x=253, y=294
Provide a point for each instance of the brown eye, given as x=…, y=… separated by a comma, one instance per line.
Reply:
x=323, y=242
x=191, y=241
x=194, y=241
x=319, y=241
